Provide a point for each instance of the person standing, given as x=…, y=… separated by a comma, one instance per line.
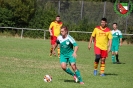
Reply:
x=116, y=42
x=54, y=30
x=68, y=54
x=101, y=36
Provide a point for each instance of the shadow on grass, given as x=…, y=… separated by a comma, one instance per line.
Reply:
x=119, y=63
x=107, y=74
x=69, y=81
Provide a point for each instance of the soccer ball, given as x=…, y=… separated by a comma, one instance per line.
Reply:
x=47, y=78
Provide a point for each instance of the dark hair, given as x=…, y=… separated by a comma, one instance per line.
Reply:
x=104, y=19
x=58, y=16
x=115, y=23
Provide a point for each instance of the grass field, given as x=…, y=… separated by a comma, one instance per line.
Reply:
x=24, y=62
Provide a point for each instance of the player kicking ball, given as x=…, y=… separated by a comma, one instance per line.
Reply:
x=116, y=42
x=67, y=54
x=101, y=36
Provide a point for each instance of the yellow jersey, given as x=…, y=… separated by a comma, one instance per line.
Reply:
x=55, y=27
x=102, y=37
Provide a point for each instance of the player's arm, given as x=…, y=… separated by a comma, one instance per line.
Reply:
x=110, y=44
x=110, y=41
x=120, y=35
x=75, y=51
x=75, y=47
x=92, y=38
x=120, y=41
x=50, y=28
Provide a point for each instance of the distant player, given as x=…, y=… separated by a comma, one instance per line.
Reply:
x=116, y=41
x=54, y=30
x=101, y=36
x=68, y=54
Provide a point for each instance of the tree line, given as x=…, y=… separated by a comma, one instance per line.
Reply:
x=40, y=13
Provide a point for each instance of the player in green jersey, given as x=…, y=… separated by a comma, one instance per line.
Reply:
x=68, y=54
x=116, y=42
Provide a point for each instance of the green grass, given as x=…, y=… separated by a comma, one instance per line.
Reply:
x=24, y=62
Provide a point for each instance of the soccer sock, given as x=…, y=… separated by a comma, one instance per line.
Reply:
x=102, y=67
x=117, y=58
x=95, y=65
x=58, y=50
x=69, y=71
x=77, y=72
x=113, y=58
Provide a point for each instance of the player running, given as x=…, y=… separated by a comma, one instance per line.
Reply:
x=67, y=54
x=101, y=36
x=54, y=30
x=116, y=41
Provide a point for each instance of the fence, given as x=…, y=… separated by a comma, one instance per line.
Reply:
x=79, y=33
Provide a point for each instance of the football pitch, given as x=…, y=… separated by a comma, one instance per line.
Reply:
x=24, y=62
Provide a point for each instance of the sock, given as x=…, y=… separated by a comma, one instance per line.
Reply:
x=95, y=65
x=117, y=58
x=58, y=50
x=113, y=58
x=69, y=71
x=102, y=67
x=77, y=72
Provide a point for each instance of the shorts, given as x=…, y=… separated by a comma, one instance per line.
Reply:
x=102, y=53
x=67, y=59
x=53, y=40
x=115, y=48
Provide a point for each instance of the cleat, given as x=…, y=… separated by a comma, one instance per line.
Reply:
x=102, y=74
x=75, y=78
x=50, y=54
x=81, y=83
x=95, y=72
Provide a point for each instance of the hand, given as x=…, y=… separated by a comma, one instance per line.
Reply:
x=74, y=55
x=89, y=46
x=51, y=34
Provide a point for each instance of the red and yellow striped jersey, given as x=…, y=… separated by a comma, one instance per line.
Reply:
x=102, y=37
x=55, y=27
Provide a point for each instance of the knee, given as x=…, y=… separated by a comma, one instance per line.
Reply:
x=97, y=58
x=74, y=67
x=63, y=67
x=113, y=54
x=103, y=60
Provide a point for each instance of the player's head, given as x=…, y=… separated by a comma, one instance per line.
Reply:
x=114, y=25
x=103, y=22
x=58, y=18
x=64, y=31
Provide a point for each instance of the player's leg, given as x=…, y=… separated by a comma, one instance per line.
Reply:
x=116, y=54
x=51, y=48
x=113, y=54
x=64, y=62
x=102, y=67
x=97, y=58
x=72, y=60
x=53, y=41
x=104, y=54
